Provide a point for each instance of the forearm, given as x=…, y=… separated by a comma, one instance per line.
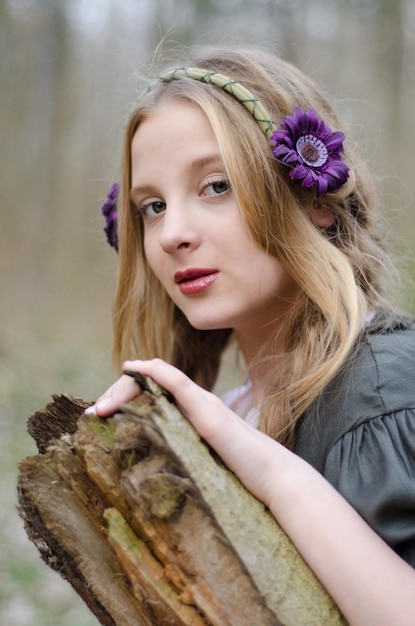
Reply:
x=368, y=581
x=371, y=584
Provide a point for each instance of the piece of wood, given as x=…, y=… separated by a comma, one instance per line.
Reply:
x=150, y=527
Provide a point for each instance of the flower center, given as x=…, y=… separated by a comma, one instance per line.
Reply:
x=312, y=150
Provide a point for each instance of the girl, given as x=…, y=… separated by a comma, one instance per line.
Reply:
x=245, y=213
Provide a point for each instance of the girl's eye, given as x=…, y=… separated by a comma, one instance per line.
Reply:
x=216, y=187
x=152, y=209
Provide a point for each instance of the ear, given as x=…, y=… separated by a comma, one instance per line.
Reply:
x=321, y=216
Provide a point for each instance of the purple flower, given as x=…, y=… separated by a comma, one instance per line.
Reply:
x=312, y=151
x=109, y=210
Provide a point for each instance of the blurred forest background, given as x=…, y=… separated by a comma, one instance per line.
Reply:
x=68, y=76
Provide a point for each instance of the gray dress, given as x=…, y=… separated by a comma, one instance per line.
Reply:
x=360, y=433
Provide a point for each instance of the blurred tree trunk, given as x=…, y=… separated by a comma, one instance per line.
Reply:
x=391, y=51
x=150, y=528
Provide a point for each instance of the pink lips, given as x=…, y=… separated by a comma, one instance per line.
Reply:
x=195, y=279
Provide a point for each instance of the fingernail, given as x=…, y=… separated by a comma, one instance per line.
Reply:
x=90, y=410
x=101, y=404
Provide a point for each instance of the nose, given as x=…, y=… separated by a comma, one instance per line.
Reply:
x=179, y=229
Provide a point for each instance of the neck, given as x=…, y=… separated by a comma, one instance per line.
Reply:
x=260, y=339
x=256, y=347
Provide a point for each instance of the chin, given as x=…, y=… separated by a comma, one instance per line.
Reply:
x=207, y=324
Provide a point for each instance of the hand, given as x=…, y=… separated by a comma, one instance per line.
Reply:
x=246, y=451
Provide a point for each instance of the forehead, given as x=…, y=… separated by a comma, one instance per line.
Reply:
x=172, y=131
x=174, y=113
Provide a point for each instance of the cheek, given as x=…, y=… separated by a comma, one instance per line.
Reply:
x=150, y=252
x=279, y=280
x=155, y=257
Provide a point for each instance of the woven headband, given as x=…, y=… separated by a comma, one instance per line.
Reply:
x=238, y=91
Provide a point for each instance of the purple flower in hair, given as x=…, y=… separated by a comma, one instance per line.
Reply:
x=312, y=151
x=109, y=210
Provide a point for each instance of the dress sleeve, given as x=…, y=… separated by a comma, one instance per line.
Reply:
x=373, y=467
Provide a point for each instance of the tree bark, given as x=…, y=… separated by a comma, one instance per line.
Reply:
x=150, y=528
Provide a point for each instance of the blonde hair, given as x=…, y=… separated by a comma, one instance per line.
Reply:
x=338, y=268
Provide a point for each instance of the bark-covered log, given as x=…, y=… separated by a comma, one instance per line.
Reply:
x=150, y=528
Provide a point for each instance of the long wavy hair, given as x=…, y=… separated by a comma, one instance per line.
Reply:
x=338, y=268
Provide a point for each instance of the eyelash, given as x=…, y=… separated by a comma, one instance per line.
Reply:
x=141, y=211
x=215, y=181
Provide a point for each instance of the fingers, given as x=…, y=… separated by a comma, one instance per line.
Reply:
x=124, y=390
x=166, y=375
x=202, y=408
x=208, y=414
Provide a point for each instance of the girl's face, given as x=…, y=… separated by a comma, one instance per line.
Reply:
x=195, y=239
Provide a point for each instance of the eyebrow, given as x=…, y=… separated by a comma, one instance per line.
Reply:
x=141, y=189
x=210, y=159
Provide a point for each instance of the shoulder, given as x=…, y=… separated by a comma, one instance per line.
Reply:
x=382, y=375
x=377, y=380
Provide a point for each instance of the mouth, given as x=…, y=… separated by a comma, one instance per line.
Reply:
x=195, y=280
x=192, y=274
